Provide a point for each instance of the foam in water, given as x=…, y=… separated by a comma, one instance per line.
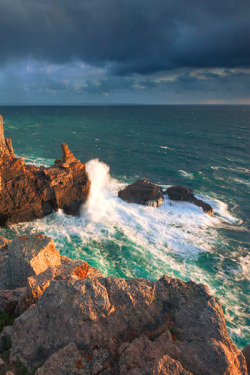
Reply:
x=186, y=174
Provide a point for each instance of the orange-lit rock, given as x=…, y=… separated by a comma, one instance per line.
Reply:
x=28, y=192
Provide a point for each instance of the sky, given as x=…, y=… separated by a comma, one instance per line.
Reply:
x=125, y=52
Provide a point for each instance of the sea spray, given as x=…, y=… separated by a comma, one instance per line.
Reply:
x=99, y=204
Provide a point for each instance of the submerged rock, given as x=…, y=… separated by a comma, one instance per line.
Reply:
x=179, y=193
x=28, y=192
x=142, y=192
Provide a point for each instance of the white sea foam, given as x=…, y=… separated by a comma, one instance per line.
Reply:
x=242, y=182
x=36, y=160
x=166, y=148
x=186, y=174
x=143, y=241
x=220, y=209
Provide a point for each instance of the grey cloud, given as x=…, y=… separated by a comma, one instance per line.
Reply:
x=129, y=36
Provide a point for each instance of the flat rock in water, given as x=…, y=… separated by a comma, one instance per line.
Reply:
x=28, y=192
x=142, y=192
x=180, y=193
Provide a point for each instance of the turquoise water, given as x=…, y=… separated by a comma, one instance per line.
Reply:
x=205, y=148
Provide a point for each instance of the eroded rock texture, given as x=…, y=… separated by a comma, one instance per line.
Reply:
x=28, y=192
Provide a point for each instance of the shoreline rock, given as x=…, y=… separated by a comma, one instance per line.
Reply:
x=148, y=194
x=180, y=193
x=28, y=192
x=72, y=320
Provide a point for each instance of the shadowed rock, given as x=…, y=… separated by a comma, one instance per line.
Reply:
x=28, y=192
x=179, y=193
x=142, y=192
x=246, y=353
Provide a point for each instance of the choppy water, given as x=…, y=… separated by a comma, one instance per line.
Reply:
x=203, y=147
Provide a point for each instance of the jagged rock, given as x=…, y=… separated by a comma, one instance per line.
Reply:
x=66, y=361
x=179, y=193
x=28, y=192
x=246, y=353
x=27, y=256
x=9, y=299
x=181, y=324
x=31, y=263
x=142, y=192
x=142, y=356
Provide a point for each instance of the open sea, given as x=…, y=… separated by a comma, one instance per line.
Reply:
x=205, y=148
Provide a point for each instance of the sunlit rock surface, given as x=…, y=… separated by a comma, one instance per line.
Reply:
x=72, y=320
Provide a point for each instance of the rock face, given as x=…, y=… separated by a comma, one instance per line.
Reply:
x=67, y=361
x=142, y=192
x=28, y=256
x=72, y=320
x=179, y=193
x=28, y=192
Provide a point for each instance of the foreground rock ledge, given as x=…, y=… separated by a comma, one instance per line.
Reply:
x=28, y=192
x=79, y=322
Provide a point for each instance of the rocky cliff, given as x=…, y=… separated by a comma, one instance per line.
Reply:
x=28, y=192
x=69, y=319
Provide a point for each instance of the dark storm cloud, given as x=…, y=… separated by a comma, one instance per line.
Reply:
x=129, y=36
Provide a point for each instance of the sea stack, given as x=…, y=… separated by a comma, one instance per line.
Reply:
x=28, y=192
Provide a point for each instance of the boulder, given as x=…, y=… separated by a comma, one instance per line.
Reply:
x=179, y=193
x=142, y=192
x=28, y=192
x=66, y=361
x=131, y=326
x=147, y=357
x=27, y=256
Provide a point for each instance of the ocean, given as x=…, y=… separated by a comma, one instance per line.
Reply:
x=205, y=148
